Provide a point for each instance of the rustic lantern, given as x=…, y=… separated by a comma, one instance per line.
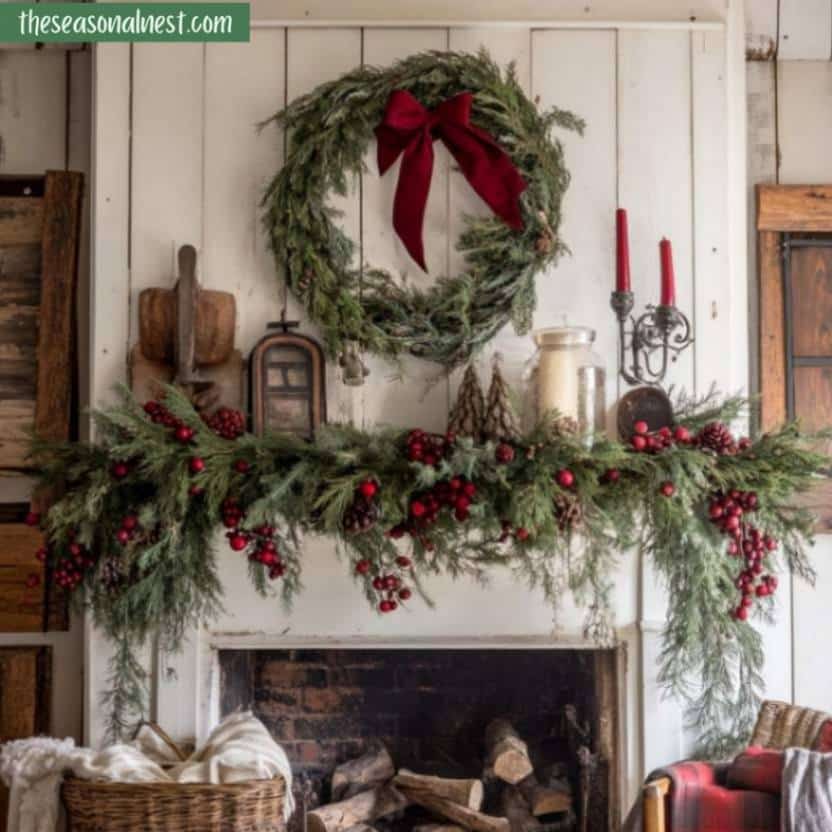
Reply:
x=288, y=386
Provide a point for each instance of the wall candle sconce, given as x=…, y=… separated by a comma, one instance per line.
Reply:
x=654, y=339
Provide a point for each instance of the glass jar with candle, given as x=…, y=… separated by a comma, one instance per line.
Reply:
x=569, y=378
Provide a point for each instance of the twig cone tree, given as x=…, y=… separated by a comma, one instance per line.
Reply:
x=468, y=413
x=500, y=418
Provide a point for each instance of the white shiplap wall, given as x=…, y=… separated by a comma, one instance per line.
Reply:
x=655, y=102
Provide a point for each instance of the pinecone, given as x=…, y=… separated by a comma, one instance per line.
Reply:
x=561, y=427
x=111, y=575
x=361, y=516
x=227, y=423
x=569, y=512
x=717, y=438
x=467, y=414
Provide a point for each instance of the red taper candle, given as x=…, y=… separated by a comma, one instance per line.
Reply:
x=668, y=296
x=622, y=252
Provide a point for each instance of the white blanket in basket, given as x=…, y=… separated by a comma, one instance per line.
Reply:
x=239, y=748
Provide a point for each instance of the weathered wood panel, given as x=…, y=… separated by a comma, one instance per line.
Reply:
x=811, y=287
x=772, y=336
x=25, y=681
x=32, y=111
x=56, y=338
x=805, y=30
x=794, y=208
x=21, y=607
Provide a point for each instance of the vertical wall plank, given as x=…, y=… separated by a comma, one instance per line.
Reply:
x=760, y=26
x=654, y=130
x=805, y=30
x=167, y=212
x=713, y=310
x=167, y=162
x=577, y=290
x=409, y=403
x=239, y=161
x=32, y=111
x=338, y=51
x=505, y=46
x=110, y=294
x=805, y=121
x=655, y=167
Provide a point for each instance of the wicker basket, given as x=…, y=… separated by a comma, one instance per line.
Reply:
x=250, y=806
x=253, y=806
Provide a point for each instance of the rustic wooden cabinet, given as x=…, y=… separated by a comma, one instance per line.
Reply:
x=794, y=226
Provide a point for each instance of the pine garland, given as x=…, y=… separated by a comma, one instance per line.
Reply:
x=330, y=130
x=138, y=516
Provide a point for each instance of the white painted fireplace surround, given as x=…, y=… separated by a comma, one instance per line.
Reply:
x=177, y=160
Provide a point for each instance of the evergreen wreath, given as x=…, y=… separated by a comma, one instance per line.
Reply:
x=330, y=130
x=135, y=528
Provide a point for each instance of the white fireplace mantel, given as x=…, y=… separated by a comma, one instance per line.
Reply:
x=176, y=160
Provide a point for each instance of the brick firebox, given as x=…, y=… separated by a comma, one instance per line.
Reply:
x=429, y=706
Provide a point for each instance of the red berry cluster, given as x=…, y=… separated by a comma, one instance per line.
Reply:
x=259, y=543
x=363, y=512
x=388, y=582
x=729, y=512
x=504, y=453
x=456, y=494
x=227, y=423
x=521, y=533
x=128, y=530
x=429, y=448
x=652, y=442
x=160, y=415
x=70, y=569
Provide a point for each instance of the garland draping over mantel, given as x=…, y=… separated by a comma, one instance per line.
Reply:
x=135, y=529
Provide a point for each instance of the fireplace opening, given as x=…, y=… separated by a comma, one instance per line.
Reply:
x=431, y=710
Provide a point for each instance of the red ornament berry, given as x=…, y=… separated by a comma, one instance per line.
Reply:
x=241, y=466
x=362, y=567
x=613, y=475
x=469, y=489
x=403, y=562
x=668, y=489
x=462, y=503
x=641, y=427
x=521, y=534
x=682, y=434
x=368, y=489
x=639, y=442
x=417, y=509
x=129, y=522
x=32, y=518
x=386, y=606
x=197, y=465
x=120, y=470
x=184, y=434
x=455, y=483
x=762, y=590
x=504, y=453
x=741, y=613
x=405, y=594
x=238, y=542
x=151, y=407
x=195, y=490
x=41, y=554
x=123, y=536
x=565, y=478
x=378, y=583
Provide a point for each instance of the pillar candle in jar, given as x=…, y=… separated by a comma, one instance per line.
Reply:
x=622, y=252
x=668, y=294
x=562, y=351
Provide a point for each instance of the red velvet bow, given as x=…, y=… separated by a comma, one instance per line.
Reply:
x=409, y=129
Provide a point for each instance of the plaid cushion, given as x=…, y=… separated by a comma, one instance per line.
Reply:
x=823, y=742
x=698, y=802
x=759, y=769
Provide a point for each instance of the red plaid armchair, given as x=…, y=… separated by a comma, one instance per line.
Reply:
x=715, y=797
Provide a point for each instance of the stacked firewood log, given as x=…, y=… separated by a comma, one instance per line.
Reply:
x=509, y=796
